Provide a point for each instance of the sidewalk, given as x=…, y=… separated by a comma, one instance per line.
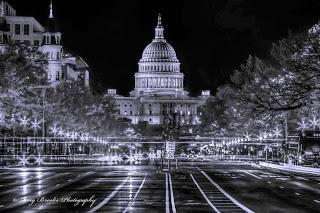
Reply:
x=292, y=168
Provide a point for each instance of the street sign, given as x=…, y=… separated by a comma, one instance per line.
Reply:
x=170, y=155
x=170, y=150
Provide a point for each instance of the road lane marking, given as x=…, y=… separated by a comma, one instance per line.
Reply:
x=1, y=206
x=167, y=195
x=135, y=196
x=227, y=195
x=302, y=178
x=317, y=201
x=269, y=182
x=297, y=193
x=172, y=197
x=204, y=195
x=5, y=173
x=107, y=199
x=281, y=187
x=252, y=175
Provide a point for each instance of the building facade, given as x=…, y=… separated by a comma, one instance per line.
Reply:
x=48, y=40
x=159, y=89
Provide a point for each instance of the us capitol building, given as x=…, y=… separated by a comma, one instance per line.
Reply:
x=159, y=89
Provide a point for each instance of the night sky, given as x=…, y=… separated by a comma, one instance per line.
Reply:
x=211, y=37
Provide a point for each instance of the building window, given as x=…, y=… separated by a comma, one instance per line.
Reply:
x=58, y=76
x=26, y=29
x=36, y=42
x=150, y=119
x=150, y=112
x=1, y=40
x=17, y=29
x=130, y=105
x=125, y=105
x=130, y=112
x=47, y=39
x=58, y=55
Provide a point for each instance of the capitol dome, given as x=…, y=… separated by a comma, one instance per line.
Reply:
x=159, y=55
x=159, y=68
x=159, y=51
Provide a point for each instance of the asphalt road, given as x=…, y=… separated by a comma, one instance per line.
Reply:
x=195, y=187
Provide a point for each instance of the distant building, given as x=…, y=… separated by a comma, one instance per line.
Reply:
x=48, y=40
x=159, y=89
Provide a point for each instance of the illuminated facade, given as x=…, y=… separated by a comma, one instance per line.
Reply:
x=48, y=40
x=159, y=89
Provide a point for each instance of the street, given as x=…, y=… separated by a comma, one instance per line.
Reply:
x=194, y=187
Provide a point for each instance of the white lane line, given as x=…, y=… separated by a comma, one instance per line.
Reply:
x=135, y=196
x=5, y=173
x=106, y=200
x=297, y=193
x=302, y=178
x=167, y=195
x=317, y=201
x=204, y=195
x=269, y=182
x=281, y=187
x=227, y=195
x=1, y=206
x=252, y=175
x=173, y=206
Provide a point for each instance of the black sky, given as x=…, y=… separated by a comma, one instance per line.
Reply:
x=211, y=37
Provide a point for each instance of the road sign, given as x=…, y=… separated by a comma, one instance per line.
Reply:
x=170, y=150
x=170, y=155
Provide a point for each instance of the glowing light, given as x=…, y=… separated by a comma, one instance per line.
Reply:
x=61, y=132
x=35, y=124
x=23, y=160
x=54, y=129
x=277, y=132
x=302, y=125
x=315, y=122
x=24, y=121
x=67, y=134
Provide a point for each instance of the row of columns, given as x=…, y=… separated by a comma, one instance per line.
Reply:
x=159, y=68
x=159, y=82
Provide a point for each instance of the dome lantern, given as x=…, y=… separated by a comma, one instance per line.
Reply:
x=159, y=29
